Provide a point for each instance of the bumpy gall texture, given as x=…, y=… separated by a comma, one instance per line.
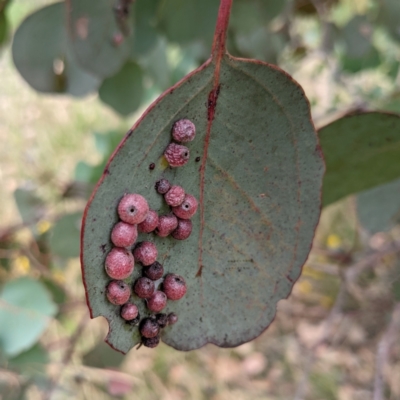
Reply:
x=119, y=263
x=118, y=292
x=154, y=271
x=187, y=209
x=162, y=186
x=183, y=131
x=145, y=253
x=183, y=230
x=162, y=320
x=151, y=342
x=129, y=311
x=133, y=208
x=123, y=234
x=174, y=286
x=175, y=196
x=144, y=287
x=176, y=155
x=157, y=301
x=150, y=223
x=149, y=327
x=172, y=318
x=166, y=225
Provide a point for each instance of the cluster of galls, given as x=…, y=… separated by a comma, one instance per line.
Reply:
x=135, y=215
x=183, y=131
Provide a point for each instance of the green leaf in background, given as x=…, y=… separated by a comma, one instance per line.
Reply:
x=30, y=206
x=146, y=36
x=34, y=358
x=258, y=182
x=379, y=208
x=103, y=356
x=42, y=56
x=64, y=236
x=123, y=91
x=361, y=151
x=184, y=21
x=25, y=311
x=390, y=16
x=96, y=38
x=3, y=28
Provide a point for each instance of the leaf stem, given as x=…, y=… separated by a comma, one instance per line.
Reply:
x=219, y=43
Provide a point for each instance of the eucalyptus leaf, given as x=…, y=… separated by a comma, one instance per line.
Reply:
x=25, y=311
x=64, y=236
x=379, y=208
x=124, y=91
x=361, y=151
x=256, y=169
x=43, y=58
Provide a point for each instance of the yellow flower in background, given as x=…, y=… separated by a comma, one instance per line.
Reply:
x=43, y=226
x=333, y=242
x=22, y=265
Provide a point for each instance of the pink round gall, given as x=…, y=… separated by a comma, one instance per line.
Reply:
x=166, y=225
x=133, y=208
x=157, y=301
x=149, y=328
x=174, y=286
x=183, y=230
x=176, y=155
x=144, y=288
x=129, y=311
x=150, y=223
x=183, y=131
x=118, y=292
x=119, y=263
x=187, y=209
x=175, y=196
x=146, y=253
x=124, y=235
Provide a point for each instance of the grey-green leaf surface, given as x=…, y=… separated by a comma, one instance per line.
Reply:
x=43, y=58
x=64, y=236
x=378, y=208
x=123, y=91
x=25, y=311
x=258, y=182
x=96, y=38
x=361, y=151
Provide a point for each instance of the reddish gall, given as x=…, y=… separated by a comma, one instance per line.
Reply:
x=118, y=292
x=176, y=155
x=124, y=235
x=133, y=208
x=119, y=263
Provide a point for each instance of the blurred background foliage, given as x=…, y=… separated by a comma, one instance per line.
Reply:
x=75, y=75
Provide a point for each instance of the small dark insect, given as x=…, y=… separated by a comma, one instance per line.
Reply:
x=197, y=159
x=152, y=166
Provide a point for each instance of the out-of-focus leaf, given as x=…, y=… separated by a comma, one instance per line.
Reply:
x=184, y=21
x=96, y=38
x=64, y=236
x=355, y=64
x=33, y=358
x=357, y=36
x=361, y=151
x=390, y=16
x=123, y=91
x=258, y=180
x=3, y=28
x=103, y=356
x=156, y=65
x=25, y=311
x=42, y=57
x=261, y=44
x=145, y=34
x=57, y=291
x=379, y=208
x=30, y=206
